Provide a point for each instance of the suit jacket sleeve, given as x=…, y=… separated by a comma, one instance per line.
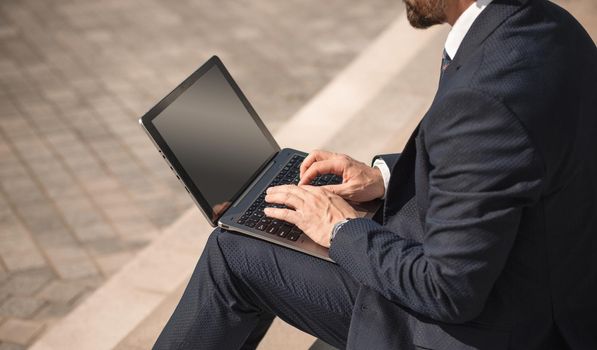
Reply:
x=484, y=171
x=390, y=159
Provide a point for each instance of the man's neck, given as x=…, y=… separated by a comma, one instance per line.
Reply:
x=455, y=8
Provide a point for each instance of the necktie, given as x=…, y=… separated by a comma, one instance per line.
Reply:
x=446, y=60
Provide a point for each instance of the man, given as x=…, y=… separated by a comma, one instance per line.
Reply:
x=488, y=235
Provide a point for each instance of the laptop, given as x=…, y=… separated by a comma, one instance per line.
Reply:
x=225, y=157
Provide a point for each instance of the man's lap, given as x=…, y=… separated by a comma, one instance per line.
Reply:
x=240, y=283
x=310, y=293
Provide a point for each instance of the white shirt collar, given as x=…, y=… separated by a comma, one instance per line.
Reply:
x=462, y=25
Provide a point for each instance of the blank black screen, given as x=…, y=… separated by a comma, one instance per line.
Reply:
x=214, y=138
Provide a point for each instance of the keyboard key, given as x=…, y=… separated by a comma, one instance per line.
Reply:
x=263, y=224
x=284, y=230
x=293, y=235
x=256, y=216
x=273, y=227
x=250, y=223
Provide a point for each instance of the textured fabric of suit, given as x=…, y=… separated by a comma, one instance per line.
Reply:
x=240, y=284
x=488, y=233
x=502, y=176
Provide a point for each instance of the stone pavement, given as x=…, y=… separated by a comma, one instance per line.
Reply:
x=407, y=94
x=82, y=189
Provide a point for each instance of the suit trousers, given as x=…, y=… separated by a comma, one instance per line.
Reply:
x=241, y=283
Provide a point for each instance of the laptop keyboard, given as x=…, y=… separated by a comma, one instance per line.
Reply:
x=254, y=216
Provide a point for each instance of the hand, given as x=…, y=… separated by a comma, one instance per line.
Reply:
x=312, y=209
x=361, y=183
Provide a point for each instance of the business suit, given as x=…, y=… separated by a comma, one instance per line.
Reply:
x=487, y=235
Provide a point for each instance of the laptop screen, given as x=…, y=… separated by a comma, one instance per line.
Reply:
x=215, y=137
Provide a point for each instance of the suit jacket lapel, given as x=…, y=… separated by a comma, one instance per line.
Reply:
x=495, y=14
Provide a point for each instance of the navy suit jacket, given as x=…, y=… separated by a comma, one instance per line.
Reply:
x=488, y=238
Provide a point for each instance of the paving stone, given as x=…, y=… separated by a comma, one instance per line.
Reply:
x=76, y=268
x=111, y=197
x=123, y=211
x=20, y=332
x=32, y=148
x=40, y=216
x=21, y=189
x=78, y=211
x=10, y=346
x=3, y=273
x=60, y=184
x=18, y=251
x=20, y=307
x=11, y=166
x=107, y=246
x=61, y=291
x=52, y=240
x=53, y=311
x=98, y=186
x=94, y=230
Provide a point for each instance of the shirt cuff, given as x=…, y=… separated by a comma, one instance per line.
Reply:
x=385, y=174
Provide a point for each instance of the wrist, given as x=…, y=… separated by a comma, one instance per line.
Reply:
x=379, y=188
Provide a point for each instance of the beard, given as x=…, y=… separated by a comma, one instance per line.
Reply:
x=425, y=13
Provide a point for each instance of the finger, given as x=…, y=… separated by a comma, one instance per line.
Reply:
x=314, y=156
x=330, y=166
x=287, y=215
x=281, y=189
x=292, y=189
x=286, y=198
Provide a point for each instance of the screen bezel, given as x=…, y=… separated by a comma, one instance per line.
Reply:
x=147, y=121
